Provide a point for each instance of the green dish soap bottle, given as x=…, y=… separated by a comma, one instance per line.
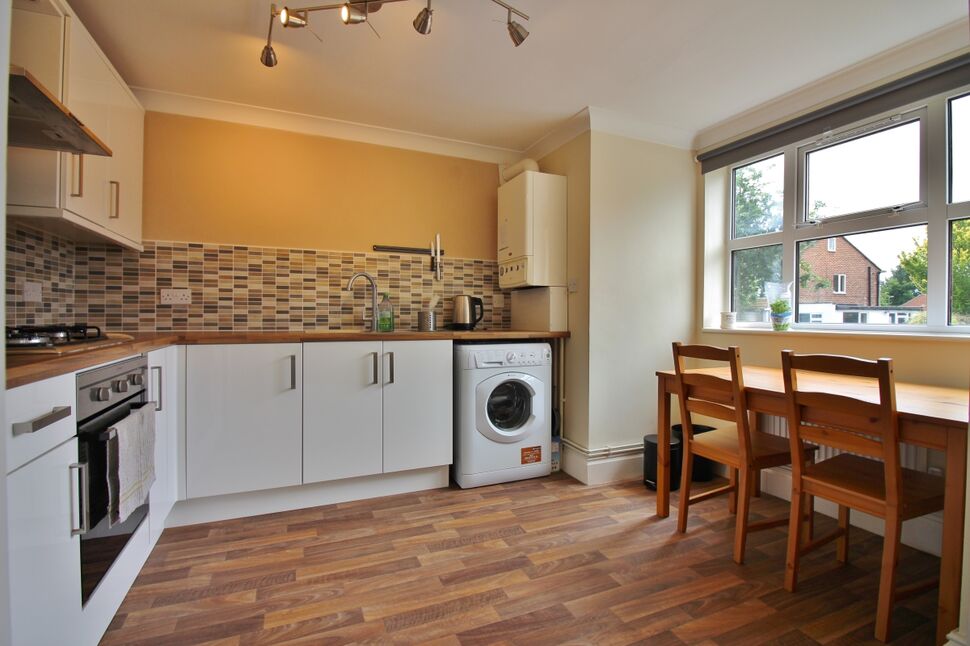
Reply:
x=385, y=314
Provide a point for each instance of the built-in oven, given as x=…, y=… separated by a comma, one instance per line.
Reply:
x=105, y=396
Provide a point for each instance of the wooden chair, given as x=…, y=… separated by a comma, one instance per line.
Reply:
x=869, y=479
x=743, y=451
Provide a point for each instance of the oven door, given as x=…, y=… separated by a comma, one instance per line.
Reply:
x=101, y=544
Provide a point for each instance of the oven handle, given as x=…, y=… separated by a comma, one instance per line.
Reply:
x=83, y=500
x=158, y=404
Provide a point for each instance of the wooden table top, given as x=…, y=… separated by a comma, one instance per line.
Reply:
x=27, y=368
x=934, y=404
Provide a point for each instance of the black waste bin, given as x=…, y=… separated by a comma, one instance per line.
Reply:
x=703, y=470
x=650, y=462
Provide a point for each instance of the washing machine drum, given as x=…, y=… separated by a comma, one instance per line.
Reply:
x=509, y=406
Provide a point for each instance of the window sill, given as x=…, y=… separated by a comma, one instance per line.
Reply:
x=961, y=337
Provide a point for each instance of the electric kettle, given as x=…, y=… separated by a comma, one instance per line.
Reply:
x=468, y=311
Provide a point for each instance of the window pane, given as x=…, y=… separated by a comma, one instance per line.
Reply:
x=875, y=171
x=877, y=278
x=751, y=269
x=960, y=272
x=960, y=149
x=758, y=197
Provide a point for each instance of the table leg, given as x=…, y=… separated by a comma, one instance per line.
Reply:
x=951, y=558
x=663, y=450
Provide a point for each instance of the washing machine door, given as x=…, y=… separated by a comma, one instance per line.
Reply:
x=508, y=406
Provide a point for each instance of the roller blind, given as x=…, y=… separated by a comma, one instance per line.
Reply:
x=933, y=80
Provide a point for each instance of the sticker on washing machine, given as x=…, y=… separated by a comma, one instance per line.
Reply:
x=531, y=454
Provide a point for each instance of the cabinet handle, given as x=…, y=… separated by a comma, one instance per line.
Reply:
x=85, y=511
x=117, y=200
x=158, y=380
x=391, y=371
x=292, y=372
x=376, y=367
x=77, y=175
x=45, y=420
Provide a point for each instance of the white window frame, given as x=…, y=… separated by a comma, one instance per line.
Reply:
x=933, y=210
x=838, y=279
x=830, y=244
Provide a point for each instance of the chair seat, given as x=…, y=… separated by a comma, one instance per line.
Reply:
x=860, y=482
x=721, y=445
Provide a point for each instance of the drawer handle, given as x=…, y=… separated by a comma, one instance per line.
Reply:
x=45, y=420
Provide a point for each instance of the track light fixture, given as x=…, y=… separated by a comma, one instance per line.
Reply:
x=351, y=14
x=292, y=18
x=355, y=12
x=517, y=32
x=422, y=24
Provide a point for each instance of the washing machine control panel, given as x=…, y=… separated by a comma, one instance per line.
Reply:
x=527, y=356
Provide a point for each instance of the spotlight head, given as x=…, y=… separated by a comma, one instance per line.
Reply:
x=291, y=19
x=351, y=15
x=268, y=57
x=517, y=33
x=422, y=23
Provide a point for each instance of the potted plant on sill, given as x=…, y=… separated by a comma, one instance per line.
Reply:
x=780, y=314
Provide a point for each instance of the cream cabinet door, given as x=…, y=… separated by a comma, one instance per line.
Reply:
x=243, y=417
x=341, y=410
x=418, y=393
x=127, y=136
x=45, y=559
x=91, y=90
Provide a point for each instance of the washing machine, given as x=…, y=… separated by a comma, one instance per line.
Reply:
x=503, y=419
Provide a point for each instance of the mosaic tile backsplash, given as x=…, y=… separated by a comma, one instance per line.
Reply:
x=234, y=288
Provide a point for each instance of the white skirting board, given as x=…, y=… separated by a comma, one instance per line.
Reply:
x=270, y=501
x=924, y=533
x=957, y=638
x=601, y=470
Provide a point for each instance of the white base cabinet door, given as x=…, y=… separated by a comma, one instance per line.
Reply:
x=163, y=391
x=45, y=559
x=341, y=410
x=418, y=394
x=244, y=415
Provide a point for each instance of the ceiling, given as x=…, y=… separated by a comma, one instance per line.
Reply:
x=682, y=65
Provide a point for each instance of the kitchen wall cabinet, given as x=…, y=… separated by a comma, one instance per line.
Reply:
x=163, y=390
x=376, y=407
x=418, y=392
x=79, y=196
x=244, y=410
x=342, y=417
x=45, y=559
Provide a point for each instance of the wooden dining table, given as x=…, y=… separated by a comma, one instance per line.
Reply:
x=929, y=416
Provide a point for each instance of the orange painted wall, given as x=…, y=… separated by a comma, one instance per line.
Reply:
x=213, y=181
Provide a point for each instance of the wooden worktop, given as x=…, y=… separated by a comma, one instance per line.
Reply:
x=27, y=368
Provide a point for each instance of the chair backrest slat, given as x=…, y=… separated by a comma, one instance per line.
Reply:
x=847, y=423
x=712, y=396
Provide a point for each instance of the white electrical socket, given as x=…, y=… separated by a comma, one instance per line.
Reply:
x=33, y=292
x=182, y=296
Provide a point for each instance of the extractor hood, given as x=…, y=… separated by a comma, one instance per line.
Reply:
x=39, y=120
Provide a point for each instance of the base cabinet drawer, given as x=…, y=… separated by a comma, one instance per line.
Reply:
x=39, y=417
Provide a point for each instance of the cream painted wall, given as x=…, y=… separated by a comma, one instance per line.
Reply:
x=219, y=182
x=642, y=232
x=572, y=160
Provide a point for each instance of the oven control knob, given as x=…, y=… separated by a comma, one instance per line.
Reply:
x=121, y=385
x=137, y=379
x=102, y=394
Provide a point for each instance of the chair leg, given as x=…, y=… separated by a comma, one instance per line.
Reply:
x=887, y=577
x=733, y=496
x=794, y=539
x=741, y=522
x=685, y=477
x=842, y=550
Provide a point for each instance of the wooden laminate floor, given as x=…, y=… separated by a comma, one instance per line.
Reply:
x=547, y=561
